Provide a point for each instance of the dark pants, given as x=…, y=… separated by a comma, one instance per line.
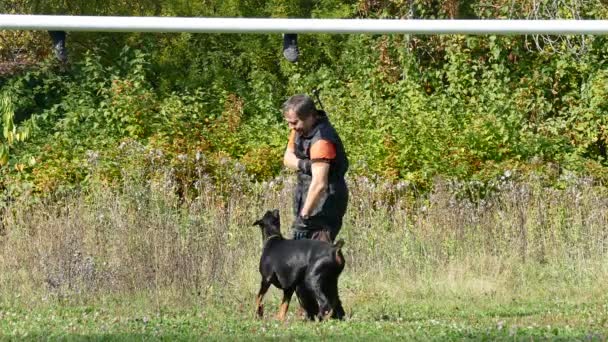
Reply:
x=326, y=233
x=327, y=216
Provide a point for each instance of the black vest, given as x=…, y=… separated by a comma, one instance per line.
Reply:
x=332, y=204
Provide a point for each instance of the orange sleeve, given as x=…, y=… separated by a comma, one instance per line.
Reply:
x=322, y=150
x=291, y=144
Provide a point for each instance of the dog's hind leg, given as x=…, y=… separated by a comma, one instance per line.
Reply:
x=287, y=293
x=334, y=297
x=317, y=287
x=308, y=302
x=339, y=310
x=258, y=302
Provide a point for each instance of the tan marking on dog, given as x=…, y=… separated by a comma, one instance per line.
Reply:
x=283, y=310
x=259, y=307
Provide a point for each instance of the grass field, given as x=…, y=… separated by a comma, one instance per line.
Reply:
x=580, y=316
x=526, y=263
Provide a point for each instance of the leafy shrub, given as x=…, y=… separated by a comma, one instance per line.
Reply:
x=408, y=108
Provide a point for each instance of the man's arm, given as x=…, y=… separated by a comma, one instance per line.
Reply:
x=320, y=176
x=322, y=153
x=290, y=160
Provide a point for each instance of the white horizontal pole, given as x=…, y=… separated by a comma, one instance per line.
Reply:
x=255, y=25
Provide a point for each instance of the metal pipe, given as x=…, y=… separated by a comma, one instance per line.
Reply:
x=255, y=25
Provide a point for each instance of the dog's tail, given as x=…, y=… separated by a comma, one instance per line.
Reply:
x=337, y=253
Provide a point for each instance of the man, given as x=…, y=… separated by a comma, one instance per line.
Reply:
x=316, y=152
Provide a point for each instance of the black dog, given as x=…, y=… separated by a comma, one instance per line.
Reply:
x=309, y=265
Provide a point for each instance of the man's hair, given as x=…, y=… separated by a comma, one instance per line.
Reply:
x=301, y=104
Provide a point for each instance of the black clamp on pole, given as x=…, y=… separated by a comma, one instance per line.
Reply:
x=315, y=94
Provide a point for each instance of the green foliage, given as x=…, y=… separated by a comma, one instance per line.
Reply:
x=11, y=132
x=407, y=107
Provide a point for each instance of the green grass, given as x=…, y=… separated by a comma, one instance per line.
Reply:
x=138, y=264
x=582, y=315
x=460, y=319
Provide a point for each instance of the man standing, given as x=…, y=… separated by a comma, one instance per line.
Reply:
x=316, y=152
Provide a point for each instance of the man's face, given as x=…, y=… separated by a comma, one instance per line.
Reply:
x=300, y=126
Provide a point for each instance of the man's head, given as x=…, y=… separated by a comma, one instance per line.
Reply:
x=300, y=113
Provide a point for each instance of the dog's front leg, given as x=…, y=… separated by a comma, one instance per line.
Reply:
x=287, y=293
x=258, y=302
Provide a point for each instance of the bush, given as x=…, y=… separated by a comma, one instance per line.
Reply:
x=407, y=107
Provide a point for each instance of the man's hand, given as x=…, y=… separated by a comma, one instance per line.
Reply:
x=305, y=166
x=290, y=160
x=302, y=223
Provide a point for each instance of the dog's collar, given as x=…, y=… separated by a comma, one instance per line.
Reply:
x=272, y=237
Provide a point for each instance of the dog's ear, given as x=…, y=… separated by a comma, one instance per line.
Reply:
x=275, y=213
x=339, y=244
x=257, y=223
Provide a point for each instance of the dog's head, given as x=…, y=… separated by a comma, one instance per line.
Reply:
x=270, y=223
